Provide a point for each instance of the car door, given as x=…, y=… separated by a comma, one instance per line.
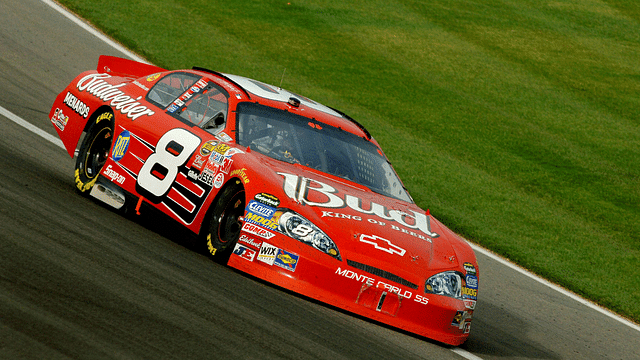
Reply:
x=168, y=154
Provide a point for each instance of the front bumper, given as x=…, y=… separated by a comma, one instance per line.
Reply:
x=334, y=282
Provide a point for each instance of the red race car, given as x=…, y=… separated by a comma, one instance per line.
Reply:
x=272, y=183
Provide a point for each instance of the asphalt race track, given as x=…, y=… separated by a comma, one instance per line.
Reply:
x=78, y=280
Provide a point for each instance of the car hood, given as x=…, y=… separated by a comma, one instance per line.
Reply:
x=371, y=231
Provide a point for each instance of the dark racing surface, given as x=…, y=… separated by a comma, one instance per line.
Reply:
x=78, y=280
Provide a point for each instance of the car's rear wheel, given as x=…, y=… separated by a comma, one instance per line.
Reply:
x=221, y=230
x=93, y=152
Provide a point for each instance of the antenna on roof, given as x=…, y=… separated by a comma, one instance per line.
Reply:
x=282, y=79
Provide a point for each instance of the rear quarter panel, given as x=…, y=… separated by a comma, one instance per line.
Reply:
x=70, y=113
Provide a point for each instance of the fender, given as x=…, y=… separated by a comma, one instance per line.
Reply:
x=70, y=114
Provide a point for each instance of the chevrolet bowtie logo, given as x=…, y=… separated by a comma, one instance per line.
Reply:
x=382, y=244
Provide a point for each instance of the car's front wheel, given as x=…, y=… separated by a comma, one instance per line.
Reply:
x=94, y=152
x=221, y=230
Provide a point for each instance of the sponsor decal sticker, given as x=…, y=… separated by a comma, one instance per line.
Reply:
x=96, y=85
x=286, y=260
x=258, y=219
x=250, y=241
x=472, y=281
x=198, y=161
x=261, y=209
x=457, y=319
x=467, y=327
x=113, y=175
x=121, y=145
x=206, y=176
x=224, y=137
x=267, y=199
x=469, y=293
x=462, y=320
x=221, y=148
x=312, y=192
x=220, y=162
x=76, y=105
x=257, y=230
x=244, y=252
x=469, y=268
x=206, y=148
x=201, y=84
x=216, y=158
x=153, y=77
x=193, y=174
x=241, y=174
x=233, y=151
x=470, y=304
x=59, y=119
x=268, y=253
x=218, y=181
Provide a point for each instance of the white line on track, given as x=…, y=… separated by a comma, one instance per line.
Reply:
x=93, y=31
x=465, y=354
x=461, y=352
x=27, y=125
x=553, y=286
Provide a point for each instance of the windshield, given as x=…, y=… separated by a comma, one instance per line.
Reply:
x=298, y=140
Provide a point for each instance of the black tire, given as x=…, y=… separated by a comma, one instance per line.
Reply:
x=94, y=151
x=221, y=229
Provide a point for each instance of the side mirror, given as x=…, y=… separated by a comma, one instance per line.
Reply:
x=216, y=121
x=219, y=119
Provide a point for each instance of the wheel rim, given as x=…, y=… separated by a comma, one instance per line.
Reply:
x=229, y=221
x=98, y=152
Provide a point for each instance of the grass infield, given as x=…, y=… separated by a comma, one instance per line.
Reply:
x=516, y=122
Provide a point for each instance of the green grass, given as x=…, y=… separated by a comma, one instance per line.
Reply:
x=517, y=123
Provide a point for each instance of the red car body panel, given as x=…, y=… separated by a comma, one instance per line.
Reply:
x=388, y=247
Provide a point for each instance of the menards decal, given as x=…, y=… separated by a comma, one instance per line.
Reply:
x=315, y=193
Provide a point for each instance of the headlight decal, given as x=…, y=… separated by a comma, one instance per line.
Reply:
x=448, y=283
x=297, y=227
x=454, y=284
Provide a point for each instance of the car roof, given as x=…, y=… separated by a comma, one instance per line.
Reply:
x=279, y=98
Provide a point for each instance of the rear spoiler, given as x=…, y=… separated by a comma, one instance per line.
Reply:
x=117, y=66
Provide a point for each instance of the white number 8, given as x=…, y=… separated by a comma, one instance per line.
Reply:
x=302, y=230
x=161, y=168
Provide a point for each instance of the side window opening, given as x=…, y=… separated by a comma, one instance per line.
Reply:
x=192, y=99
x=165, y=91
x=206, y=109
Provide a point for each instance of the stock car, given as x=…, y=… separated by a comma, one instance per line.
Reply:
x=271, y=183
